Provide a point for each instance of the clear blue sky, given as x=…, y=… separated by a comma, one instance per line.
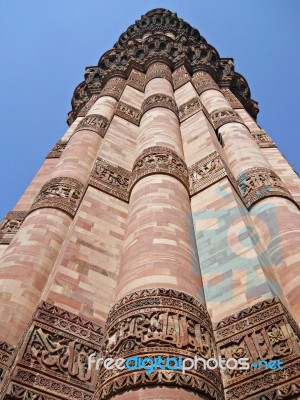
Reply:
x=46, y=45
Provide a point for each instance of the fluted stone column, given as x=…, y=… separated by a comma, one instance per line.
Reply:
x=27, y=264
x=160, y=308
x=271, y=207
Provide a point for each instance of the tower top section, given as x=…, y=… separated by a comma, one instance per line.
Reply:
x=160, y=36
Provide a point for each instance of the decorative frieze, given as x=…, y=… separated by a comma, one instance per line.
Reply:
x=262, y=139
x=110, y=179
x=137, y=80
x=223, y=116
x=189, y=108
x=57, y=150
x=88, y=105
x=154, y=322
x=6, y=358
x=230, y=97
x=260, y=332
x=94, y=122
x=159, y=160
x=10, y=225
x=180, y=77
x=205, y=172
x=159, y=100
x=54, y=356
x=202, y=81
x=159, y=70
x=129, y=113
x=113, y=88
x=63, y=193
x=258, y=183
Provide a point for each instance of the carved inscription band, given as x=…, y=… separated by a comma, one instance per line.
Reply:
x=203, y=82
x=57, y=150
x=258, y=183
x=54, y=357
x=180, y=77
x=62, y=193
x=128, y=112
x=262, y=139
x=159, y=160
x=159, y=70
x=264, y=331
x=10, y=225
x=223, y=116
x=137, y=80
x=94, y=122
x=6, y=358
x=159, y=100
x=189, y=108
x=114, y=88
x=158, y=322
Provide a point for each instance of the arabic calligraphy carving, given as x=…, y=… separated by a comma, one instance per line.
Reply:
x=62, y=193
x=159, y=70
x=137, y=80
x=57, y=150
x=189, y=108
x=180, y=77
x=262, y=139
x=94, y=122
x=128, y=112
x=159, y=100
x=223, y=116
x=10, y=225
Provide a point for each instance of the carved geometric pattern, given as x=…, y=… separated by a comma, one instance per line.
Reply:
x=129, y=113
x=10, y=225
x=180, y=77
x=205, y=172
x=114, y=88
x=189, y=108
x=53, y=358
x=262, y=139
x=202, y=81
x=6, y=358
x=88, y=105
x=137, y=80
x=94, y=122
x=57, y=150
x=258, y=183
x=158, y=322
x=230, y=97
x=260, y=332
x=159, y=70
x=63, y=193
x=159, y=100
x=159, y=160
x=110, y=179
x=223, y=116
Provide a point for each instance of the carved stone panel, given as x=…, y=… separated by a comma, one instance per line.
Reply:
x=230, y=97
x=262, y=139
x=6, y=358
x=62, y=193
x=203, y=81
x=88, y=105
x=110, y=179
x=153, y=322
x=159, y=70
x=57, y=150
x=137, y=80
x=159, y=100
x=223, y=116
x=94, y=122
x=180, y=77
x=189, y=108
x=114, y=88
x=261, y=332
x=10, y=225
x=54, y=356
x=129, y=113
x=205, y=172
x=258, y=183
x=159, y=160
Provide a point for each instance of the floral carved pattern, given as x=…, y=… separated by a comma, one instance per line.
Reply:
x=111, y=179
x=6, y=358
x=258, y=183
x=205, y=172
x=223, y=116
x=158, y=321
x=54, y=356
x=261, y=332
x=62, y=193
x=159, y=160
x=57, y=150
x=10, y=225
x=94, y=122
x=129, y=113
x=159, y=100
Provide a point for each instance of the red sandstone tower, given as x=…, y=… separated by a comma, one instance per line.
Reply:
x=164, y=222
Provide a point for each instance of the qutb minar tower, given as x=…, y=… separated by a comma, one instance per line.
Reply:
x=165, y=222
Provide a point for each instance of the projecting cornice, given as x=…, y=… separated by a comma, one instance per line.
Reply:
x=160, y=36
